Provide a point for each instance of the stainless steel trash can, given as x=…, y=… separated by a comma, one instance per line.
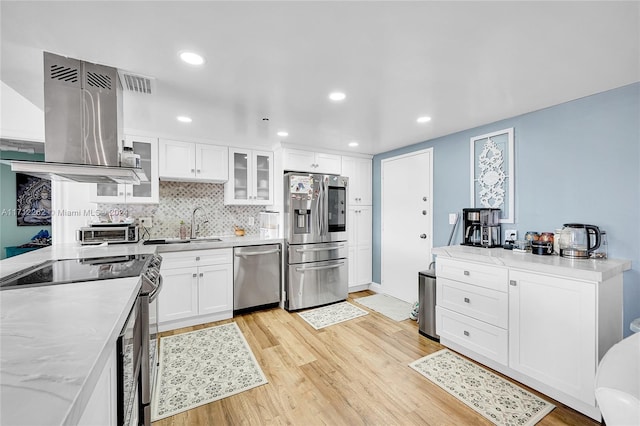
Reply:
x=427, y=301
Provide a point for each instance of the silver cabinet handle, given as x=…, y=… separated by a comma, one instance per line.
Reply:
x=513, y=282
x=193, y=170
x=466, y=273
x=256, y=253
x=466, y=300
x=201, y=274
x=197, y=257
x=318, y=268
x=195, y=275
x=300, y=250
x=466, y=333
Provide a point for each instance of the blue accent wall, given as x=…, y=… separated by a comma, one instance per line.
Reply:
x=574, y=162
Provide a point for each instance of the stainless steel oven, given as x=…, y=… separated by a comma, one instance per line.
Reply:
x=129, y=353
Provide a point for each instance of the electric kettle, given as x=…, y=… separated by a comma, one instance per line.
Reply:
x=578, y=240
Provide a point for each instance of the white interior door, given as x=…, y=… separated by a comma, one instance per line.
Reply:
x=406, y=217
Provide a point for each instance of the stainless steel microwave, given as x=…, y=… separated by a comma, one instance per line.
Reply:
x=107, y=234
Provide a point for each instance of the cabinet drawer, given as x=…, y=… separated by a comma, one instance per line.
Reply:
x=194, y=258
x=481, y=303
x=478, y=336
x=493, y=277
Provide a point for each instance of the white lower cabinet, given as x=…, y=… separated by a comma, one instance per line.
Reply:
x=546, y=331
x=552, y=333
x=197, y=288
x=101, y=409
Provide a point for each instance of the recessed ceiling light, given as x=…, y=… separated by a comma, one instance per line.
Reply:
x=192, y=58
x=337, y=96
x=184, y=119
x=282, y=133
x=353, y=144
x=424, y=119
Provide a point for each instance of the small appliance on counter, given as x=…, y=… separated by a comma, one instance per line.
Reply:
x=481, y=227
x=98, y=233
x=578, y=240
x=269, y=227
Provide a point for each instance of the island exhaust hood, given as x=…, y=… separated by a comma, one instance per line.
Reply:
x=83, y=125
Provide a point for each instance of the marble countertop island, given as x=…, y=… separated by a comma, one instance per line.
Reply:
x=581, y=269
x=55, y=340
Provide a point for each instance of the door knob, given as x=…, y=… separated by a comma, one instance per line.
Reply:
x=423, y=236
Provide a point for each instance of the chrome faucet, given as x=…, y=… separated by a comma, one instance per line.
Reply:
x=195, y=229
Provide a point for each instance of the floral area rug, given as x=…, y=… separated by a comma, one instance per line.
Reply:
x=497, y=399
x=203, y=366
x=332, y=314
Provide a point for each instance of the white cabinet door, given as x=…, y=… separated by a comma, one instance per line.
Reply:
x=299, y=161
x=358, y=170
x=177, y=159
x=215, y=288
x=552, y=332
x=313, y=162
x=145, y=192
x=250, y=177
x=179, y=296
x=212, y=163
x=359, y=224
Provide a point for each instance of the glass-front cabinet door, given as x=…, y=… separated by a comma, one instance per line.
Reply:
x=240, y=164
x=250, y=177
x=263, y=176
x=145, y=192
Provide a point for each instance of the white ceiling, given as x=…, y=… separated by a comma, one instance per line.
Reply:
x=462, y=63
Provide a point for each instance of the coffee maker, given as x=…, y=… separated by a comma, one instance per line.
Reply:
x=481, y=227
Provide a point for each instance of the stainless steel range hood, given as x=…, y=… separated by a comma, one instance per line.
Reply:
x=83, y=125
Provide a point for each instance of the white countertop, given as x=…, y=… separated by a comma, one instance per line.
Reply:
x=581, y=269
x=55, y=340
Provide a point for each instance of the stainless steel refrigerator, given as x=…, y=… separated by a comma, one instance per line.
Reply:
x=315, y=227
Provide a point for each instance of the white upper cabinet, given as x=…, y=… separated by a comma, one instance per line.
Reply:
x=358, y=170
x=313, y=162
x=145, y=192
x=250, y=177
x=193, y=162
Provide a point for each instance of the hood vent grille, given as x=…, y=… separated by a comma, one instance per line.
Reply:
x=100, y=81
x=137, y=83
x=62, y=73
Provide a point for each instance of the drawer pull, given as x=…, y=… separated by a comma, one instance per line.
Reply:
x=513, y=283
x=197, y=257
x=466, y=300
x=466, y=333
x=466, y=273
x=195, y=275
x=201, y=274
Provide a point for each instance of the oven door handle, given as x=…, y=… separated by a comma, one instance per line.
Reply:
x=154, y=293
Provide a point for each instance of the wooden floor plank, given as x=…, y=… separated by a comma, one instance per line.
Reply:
x=351, y=373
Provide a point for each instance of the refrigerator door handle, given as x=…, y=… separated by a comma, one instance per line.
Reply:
x=318, y=268
x=300, y=250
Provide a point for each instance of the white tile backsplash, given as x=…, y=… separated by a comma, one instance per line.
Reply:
x=177, y=201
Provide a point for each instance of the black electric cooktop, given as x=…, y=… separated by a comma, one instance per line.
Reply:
x=76, y=270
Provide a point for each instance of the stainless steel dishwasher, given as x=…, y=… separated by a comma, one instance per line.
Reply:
x=256, y=276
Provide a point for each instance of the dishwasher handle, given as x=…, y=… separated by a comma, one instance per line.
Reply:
x=256, y=253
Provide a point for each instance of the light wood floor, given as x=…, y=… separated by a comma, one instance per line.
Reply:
x=352, y=373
